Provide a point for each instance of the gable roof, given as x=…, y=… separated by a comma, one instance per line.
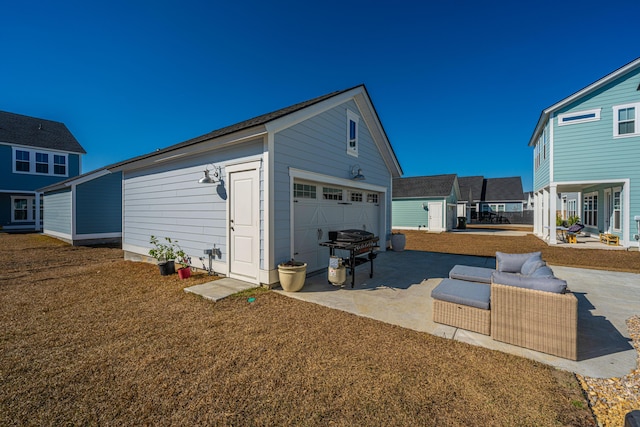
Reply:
x=503, y=189
x=38, y=133
x=471, y=185
x=265, y=120
x=546, y=113
x=424, y=186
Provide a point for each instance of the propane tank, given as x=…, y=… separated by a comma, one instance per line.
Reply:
x=337, y=272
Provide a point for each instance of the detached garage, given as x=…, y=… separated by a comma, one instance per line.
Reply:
x=266, y=190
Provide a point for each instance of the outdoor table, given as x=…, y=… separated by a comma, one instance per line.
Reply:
x=355, y=249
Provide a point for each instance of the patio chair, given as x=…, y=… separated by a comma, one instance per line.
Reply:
x=573, y=231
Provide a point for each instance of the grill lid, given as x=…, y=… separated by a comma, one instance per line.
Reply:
x=351, y=235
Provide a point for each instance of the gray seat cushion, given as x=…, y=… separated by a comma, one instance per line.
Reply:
x=462, y=292
x=471, y=274
x=512, y=263
x=547, y=284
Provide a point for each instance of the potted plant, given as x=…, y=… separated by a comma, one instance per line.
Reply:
x=184, y=272
x=165, y=254
x=292, y=274
x=398, y=241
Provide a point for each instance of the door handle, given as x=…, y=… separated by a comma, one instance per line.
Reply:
x=320, y=233
x=232, y=229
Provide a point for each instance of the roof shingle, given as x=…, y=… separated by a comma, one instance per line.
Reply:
x=39, y=133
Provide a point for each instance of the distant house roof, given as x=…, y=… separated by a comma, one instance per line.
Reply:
x=503, y=189
x=546, y=113
x=424, y=186
x=471, y=185
x=38, y=133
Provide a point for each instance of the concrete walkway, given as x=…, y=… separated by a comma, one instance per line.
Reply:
x=399, y=293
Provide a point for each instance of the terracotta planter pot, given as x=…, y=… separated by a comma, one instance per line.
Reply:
x=398, y=242
x=184, y=272
x=292, y=276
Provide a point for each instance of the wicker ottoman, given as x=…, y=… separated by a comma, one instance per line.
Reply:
x=463, y=305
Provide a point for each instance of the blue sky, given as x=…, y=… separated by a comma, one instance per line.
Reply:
x=458, y=85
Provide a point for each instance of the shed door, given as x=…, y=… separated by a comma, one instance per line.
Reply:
x=244, y=250
x=318, y=209
x=435, y=216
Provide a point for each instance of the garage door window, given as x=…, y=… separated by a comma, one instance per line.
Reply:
x=372, y=198
x=329, y=193
x=304, y=191
x=356, y=197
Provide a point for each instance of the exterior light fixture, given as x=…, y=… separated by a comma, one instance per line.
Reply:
x=207, y=179
x=356, y=173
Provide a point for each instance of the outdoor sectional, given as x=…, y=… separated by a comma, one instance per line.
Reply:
x=521, y=302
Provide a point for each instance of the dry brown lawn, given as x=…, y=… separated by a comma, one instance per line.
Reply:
x=90, y=339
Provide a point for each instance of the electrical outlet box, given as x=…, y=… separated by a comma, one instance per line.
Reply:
x=208, y=251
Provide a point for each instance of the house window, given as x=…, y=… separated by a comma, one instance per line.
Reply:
x=329, y=193
x=42, y=163
x=22, y=161
x=59, y=165
x=23, y=209
x=352, y=133
x=572, y=208
x=590, y=208
x=497, y=207
x=578, y=117
x=39, y=162
x=625, y=120
x=304, y=191
x=372, y=197
x=356, y=197
x=616, y=210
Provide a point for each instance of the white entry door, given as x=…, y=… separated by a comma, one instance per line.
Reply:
x=244, y=223
x=435, y=216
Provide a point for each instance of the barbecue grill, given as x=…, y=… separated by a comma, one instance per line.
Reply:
x=357, y=242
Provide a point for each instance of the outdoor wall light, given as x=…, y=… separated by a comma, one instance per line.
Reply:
x=207, y=179
x=356, y=173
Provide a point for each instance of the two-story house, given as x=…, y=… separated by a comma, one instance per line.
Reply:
x=589, y=144
x=34, y=153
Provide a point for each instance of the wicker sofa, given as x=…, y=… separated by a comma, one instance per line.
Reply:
x=521, y=302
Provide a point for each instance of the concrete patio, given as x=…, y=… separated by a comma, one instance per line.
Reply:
x=399, y=293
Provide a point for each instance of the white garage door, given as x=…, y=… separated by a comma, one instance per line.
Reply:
x=319, y=209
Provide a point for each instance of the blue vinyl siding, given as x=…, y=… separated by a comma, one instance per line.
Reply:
x=99, y=205
x=541, y=175
x=411, y=213
x=28, y=182
x=57, y=211
x=318, y=144
x=5, y=209
x=588, y=151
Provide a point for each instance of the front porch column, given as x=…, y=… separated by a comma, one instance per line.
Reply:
x=553, y=200
x=545, y=213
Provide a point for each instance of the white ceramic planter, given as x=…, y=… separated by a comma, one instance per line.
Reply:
x=292, y=277
x=398, y=242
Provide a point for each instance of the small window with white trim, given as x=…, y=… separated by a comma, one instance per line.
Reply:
x=352, y=133
x=576, y=117
x=22, y=161
x=59, y=164
x=625, y=120
x=372, y=197
x=22, y=209
x=304, y=191
x=42, y=163
x=617, y=212
x=329, y=193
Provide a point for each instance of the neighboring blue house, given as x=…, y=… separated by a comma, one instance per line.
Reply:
x=265, y=190
x=425, y=202
x=589, y=143
x=86, y=209
x=33, y=153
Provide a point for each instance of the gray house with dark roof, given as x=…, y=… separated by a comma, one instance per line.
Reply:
x=425, y=202
x=34, y=153
x=265, y=190
x=481, y=198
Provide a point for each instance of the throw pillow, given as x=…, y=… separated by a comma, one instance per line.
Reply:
x=531, y=265
x=542, y=272
x=512, y=263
